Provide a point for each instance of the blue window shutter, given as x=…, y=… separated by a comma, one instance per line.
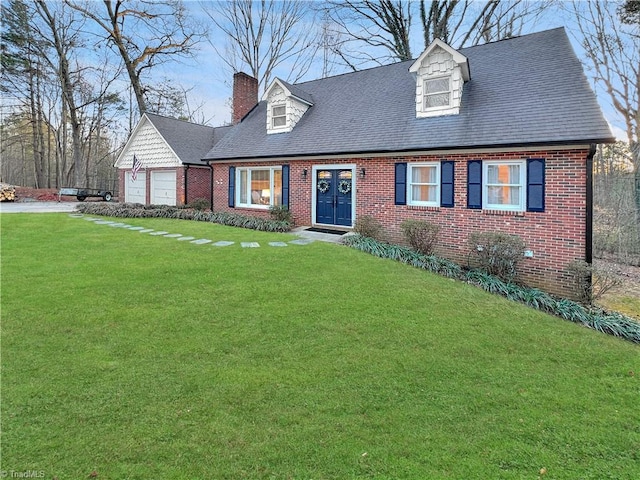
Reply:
x=535, y=185
x=401, y=183
x=474, y=184
x=447, y=169
x=285, y=186
x=232, y=186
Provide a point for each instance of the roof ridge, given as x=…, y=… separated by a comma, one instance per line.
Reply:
x=513, y=38
x=178, y=120
x=414, y=59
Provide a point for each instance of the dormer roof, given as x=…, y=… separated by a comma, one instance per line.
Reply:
x=290, y=91
x=458, y=58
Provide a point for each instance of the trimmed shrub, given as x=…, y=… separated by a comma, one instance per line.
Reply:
x=591, y=282
x=367, y=226
x=421, y=235
x=129, y=210
x=281, y=213
x=497, y=253
x=199, y=204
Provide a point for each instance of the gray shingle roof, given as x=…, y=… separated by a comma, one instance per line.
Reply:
x=298, y=92
x=523, y=91
x=190, y=141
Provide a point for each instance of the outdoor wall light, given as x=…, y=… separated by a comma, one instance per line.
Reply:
x=362, y=172
x=304, y=174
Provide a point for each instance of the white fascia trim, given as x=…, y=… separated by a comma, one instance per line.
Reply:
x=411, y=153
x=287, y=92
x=301, y=100
x=177, y=163
x=276, y=82
x=457, y=57
x=118, y=162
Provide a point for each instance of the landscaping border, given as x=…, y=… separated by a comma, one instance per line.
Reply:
x=611, y=323
x=134, y=210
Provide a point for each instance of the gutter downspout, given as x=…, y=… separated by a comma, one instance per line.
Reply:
x=211, y=185
x=186, y=174
x=588, y=254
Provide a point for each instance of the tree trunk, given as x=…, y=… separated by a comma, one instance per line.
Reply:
x=635, y=158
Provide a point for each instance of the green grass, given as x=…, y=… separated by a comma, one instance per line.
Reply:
x=626, y=304
x=141, y=357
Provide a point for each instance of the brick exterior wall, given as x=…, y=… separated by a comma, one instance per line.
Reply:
x=556, y=236
x=198, y=184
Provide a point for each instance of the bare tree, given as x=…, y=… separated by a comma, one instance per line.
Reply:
x=144, y=34
x=438, y=18
x=381, y=24
x=261, y=36
x=62, y=31
x=613, y=55
x=464, y=23
x=375, y=26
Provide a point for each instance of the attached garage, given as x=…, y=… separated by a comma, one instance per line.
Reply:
x=167, y=149
x=135, y=191
x=163, y=187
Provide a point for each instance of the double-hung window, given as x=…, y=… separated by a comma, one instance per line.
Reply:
x=504, y=185
x=424, y=184
x=279, y=116
x=258, y=187
x=437, y=93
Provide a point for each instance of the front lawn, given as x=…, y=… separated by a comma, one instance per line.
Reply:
x=129, y=356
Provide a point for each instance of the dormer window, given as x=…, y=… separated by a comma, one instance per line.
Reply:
x=437, y=92
x=440, y=75
x=279, y=116
x=286, y=104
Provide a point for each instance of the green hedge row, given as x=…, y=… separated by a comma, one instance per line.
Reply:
x=607, y=322
x=134, y=210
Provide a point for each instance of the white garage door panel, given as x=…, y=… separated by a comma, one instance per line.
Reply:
x=136, y=191
x=163, y=188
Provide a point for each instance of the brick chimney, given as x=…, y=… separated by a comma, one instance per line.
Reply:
x=245, y=95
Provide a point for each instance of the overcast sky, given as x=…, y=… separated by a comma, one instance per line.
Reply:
x=210, y=79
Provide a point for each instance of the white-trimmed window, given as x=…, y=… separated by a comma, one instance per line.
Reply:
x=424, y=184
x=504, y=185
x=437, y=93
x=279, y=116
x=259, y=187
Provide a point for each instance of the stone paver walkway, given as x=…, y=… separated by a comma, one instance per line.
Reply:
x=195, y=241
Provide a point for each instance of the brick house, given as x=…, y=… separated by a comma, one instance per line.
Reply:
x=170, y=152
x=496, y=137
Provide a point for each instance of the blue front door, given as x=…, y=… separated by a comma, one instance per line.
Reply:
x=334, y=194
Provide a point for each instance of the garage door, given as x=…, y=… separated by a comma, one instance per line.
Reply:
x=135, y=191
x=163, y=188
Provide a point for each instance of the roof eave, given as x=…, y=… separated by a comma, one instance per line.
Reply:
x=505, y=146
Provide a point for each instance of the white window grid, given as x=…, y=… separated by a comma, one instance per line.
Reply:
x=435, y=184
x=520, y=204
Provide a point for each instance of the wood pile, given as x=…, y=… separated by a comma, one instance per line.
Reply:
x=7, y=193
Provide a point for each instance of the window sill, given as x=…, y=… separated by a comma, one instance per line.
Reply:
x=508, y=213
x=254, y=207
x=424, y=208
